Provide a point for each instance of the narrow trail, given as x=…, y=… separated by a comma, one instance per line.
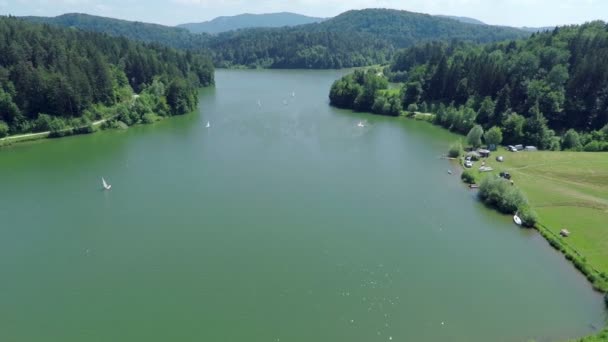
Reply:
x=32, y=135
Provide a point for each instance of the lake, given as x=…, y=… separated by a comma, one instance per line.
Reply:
x=282, y=221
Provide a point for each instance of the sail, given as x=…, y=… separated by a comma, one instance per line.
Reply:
x=105, y=185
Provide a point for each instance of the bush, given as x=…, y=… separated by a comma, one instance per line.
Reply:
x=571, y=141
x=493, y=136
x=149, y=118
x=455, y=150
x=412, y=108
x=3, y=129
x=474, y=136
x=593, y=146
x=500, y=194
x=606, y=299
x=528, y=216
x=468, y=177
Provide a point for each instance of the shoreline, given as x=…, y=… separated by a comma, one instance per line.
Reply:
x=595, y=277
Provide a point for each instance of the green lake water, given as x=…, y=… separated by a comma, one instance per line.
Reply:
x=283, y=221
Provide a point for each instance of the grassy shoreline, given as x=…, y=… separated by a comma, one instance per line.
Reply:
x=597, y=275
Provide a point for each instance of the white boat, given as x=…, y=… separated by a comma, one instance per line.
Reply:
x=106, y=186
x=293, y=94
x=450, y=172
x=208, y=124
x=360, y=124
x=517, y=220
x=259, y=103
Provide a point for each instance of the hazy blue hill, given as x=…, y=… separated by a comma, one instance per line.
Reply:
x=465, y=20
x=538, y=29
x=145, y=32
x=241, y=21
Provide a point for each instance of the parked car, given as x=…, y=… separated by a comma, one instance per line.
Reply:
x=468, y=164
x=511, y=148
x=505, y=175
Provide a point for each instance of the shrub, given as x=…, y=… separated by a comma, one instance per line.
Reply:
x=493, y=136
x=149, y=118
x=593, y=146
x=3, y=129
x=412, y=108
x=500, y=194
x=571, y=141
x=528, y=216
x=455, y=150
x=606, y=299
x=474, y=136
x=468, y=177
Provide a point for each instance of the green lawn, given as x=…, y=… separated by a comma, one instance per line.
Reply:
x=567, y=190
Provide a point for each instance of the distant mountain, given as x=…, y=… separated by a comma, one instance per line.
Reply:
x=465, y=20
x=148, y=33
x=223, y=24
x=538, y=29
x=354, y=38
x=403, y=28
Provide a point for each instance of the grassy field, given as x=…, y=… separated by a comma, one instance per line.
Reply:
x=568, y=190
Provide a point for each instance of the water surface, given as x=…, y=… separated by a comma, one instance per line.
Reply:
x=283, y=221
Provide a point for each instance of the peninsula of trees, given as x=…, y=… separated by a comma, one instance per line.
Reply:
x=550, y=90
x=54, y=79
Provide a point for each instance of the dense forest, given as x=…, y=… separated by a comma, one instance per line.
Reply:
x=354, y=38
x=294, y=48
x=403, y=29
x=54, y=79
x=533, y=90
x=175, y=37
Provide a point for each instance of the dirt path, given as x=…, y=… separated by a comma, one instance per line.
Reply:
x=33, y=135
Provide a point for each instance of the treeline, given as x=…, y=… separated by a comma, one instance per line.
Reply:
x=366, y=91
x=52, y=78
x=550, y=90
x=174, y=37
x=296, y=48
x=404, y=29
x=354, y=38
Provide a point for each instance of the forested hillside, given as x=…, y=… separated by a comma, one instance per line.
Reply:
x=354, y=38
x=148, y=33
x=534, y=90
x=403, y=28
x=52, y=78
x=295, y=48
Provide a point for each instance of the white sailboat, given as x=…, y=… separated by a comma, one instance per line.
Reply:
x=517, y=220
x=106, y=186
x=208, y=124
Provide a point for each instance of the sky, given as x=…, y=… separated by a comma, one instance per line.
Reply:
x=532, y=13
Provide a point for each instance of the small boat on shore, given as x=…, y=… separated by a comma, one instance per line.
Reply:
x=106, y=186
x=517, y=220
